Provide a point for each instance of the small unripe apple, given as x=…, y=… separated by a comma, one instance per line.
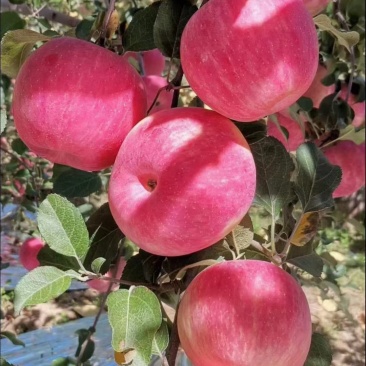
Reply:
x=316, y=6
x=102, y=285
x=153, y=61
x=296, y=136
x=244, y=313
x=246, y=63
x=182, y=180
x=74, y=103
x=350, y=157
x=358, y=107
x=318, y=91
x=28, y=253
x=153, y=84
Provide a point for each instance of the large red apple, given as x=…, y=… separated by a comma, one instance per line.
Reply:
x=296, y=136
x=318, y=91
x=316, y=6
x=245, y=313
x=102, y=285
x=153, y=61
x=350, y=157
x=153, y=84
x=358, y=107
x=29, y=251
x=74, y=103
x=182, y=180
x=246, y=61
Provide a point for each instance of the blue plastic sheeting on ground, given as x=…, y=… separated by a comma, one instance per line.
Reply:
x=42, y=346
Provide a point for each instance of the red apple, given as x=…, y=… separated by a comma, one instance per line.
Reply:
x=316, y=6
x=152, y=85
x=245, y=313
x=153, y=61
x=296, y=136
x=28, y=253
x=318, y=91
x=245, y=62
x=358, y=108
x=350, y=157
x=74, y=103
x=182, y=180
x=102, y=285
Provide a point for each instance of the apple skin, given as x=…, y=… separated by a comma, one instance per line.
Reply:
x=350, y=157
x=182, y=180
x=296, y=137
x=102, y=285
x=244, y=313
x=74, y=103
x=28, y=253
x=152, y=85
x=246, y=63
x=153, y=61
x=358, y=108
x=316, y=6
x=318, y=91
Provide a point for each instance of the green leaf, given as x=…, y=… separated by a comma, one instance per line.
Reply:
x=242, y=236
x=3, y=120
x=311, y=263
x=346, y=39
x=252, y=131
x=305, y=104
x=320, y=353
x=316, y=179
x=139, y=33
x=171, y=19
x=274, y=167
x=353, y=134
x=106, y=237
x=40, y=285
x=161, y=339
x=15, y=47
x=48, y=257
x=84, y=28
x=19, y=146
x=10, y=20
x=135, y=317
x=12, y=338
x=62, y=226
x=3, y=362
x=85, y=346
x=76, y=183
x=97, y=264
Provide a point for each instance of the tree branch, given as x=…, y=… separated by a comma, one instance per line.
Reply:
x=46, y=12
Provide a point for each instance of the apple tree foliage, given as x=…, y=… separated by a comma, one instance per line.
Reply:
x=294, y=190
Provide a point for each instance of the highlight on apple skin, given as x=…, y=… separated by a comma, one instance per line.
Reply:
x=152, y=85
x=28, y=253
x=74, y=103
x=249, y=74
x=350, y=157
x=153, y=61
x=316, y=6
x=267, y=306
x=317, y=90
x=182, y=180
x=296, y=136
x=102, y=285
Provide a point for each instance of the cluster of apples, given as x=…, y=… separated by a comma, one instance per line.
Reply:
x=183, y=178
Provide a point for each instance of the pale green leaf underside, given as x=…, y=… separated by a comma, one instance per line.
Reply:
x=16, y=45
x=63, y=227
x=161, y=339
x=40, y=285
x=3, y=120
x=135, y=316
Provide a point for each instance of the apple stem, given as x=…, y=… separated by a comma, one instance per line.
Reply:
x=176, y=82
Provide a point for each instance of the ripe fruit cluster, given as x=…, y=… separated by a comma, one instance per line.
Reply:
x=183, y=178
